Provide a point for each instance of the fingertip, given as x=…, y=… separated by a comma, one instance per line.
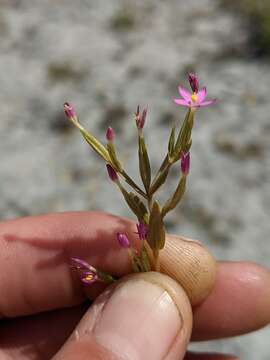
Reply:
x=239, y=302
x=130, y=318
x=191, y=265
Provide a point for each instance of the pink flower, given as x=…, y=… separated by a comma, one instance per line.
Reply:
x=185, y=163
x=195, y=99
x=123, y=240
x=88, y=274
x=142, y=230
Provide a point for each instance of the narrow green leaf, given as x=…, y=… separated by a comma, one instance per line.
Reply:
x=136, y=264
x=95, y=144
x=176, y=197
x=131, y=183
x=142, y=210
x=135, y=204
x=144, y=163
x=145, y=260
x=112, y=153
x=188, y=146
x=156, y=234
x=160, y=179
x=171, y=142
x=164, y=164
x=105, y=277
x=184, y=134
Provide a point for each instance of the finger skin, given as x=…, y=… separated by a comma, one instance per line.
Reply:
x=35, y=255
x=38, y=336
x=239, y=302
x=130, y=318
x=35, y=277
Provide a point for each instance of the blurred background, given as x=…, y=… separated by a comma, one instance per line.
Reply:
x=106, y=57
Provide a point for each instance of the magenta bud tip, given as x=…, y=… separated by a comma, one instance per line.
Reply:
x=185, y=163
x=194, y=82
x=112, y=173
x=123, y=240
x=140, y=117
x=110, y=135
x=69, y=111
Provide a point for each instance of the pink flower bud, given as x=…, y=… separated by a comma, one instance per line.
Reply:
x=69, y=111
x=185, y=163
x=194, y=82
x=142, y=230
x=123, y=240
x=112, y=173
x=140, y=118
x=110, y=135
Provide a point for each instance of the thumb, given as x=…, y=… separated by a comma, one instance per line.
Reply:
x=143, y=316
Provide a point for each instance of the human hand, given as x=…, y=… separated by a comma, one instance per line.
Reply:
x=146, y=316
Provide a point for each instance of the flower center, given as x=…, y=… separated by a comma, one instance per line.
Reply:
x=89, y=277
x=194, y=97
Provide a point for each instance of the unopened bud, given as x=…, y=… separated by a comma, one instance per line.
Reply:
x=185, y=163
x=110, y=135
x=112, y=173
x=140, y=118
x=123, y=240
x=194, y=82
x=70, y=111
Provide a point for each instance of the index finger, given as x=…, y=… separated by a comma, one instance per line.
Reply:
x=35, y=255
x=35, y=277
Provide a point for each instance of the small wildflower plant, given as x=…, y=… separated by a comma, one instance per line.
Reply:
x=141, y=200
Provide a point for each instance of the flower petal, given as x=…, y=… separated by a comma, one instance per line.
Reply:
x=182, y=102
x=80, y=264
x=208, y=102
x=201, y=94
x=184, y=93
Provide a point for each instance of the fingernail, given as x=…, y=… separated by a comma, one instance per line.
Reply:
x=139, y=320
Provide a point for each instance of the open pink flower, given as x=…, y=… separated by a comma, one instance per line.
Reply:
x=88, y=274
x=196, y=98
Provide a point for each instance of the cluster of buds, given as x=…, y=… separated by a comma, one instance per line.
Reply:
x=141, y=200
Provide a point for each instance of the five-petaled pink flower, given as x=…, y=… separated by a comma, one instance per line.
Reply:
x=196, y=98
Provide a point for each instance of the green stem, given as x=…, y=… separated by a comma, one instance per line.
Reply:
x=133, y=184
x=156, y=261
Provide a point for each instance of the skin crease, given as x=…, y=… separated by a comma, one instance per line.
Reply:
x=47, y=242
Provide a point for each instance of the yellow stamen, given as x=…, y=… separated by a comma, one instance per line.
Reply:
x=194, y=97
x=89, y=277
